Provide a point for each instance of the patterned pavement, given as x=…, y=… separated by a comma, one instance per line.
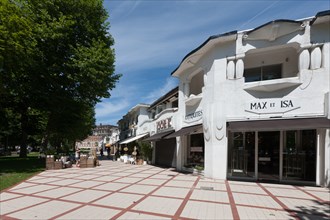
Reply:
x=123, y=191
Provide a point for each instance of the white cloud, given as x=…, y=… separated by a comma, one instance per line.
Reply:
x=157, y=93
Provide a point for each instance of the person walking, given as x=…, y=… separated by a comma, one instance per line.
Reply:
x=77, y=157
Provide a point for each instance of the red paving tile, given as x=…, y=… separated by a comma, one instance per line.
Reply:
x=122, y=191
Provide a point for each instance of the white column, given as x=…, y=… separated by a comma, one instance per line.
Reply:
x=320, y=159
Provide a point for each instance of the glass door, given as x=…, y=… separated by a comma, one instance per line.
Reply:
x=241, y=154
x=268, y=155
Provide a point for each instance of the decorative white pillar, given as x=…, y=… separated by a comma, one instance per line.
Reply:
x=239, y=69
x=231, y=69
x=316, y=58
x=304, y=59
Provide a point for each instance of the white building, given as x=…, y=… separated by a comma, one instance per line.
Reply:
x=162, y=114
x=130, y=123
x=255, y=104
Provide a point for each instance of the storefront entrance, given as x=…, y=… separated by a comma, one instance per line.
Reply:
x=268, y=155
x=273, y=155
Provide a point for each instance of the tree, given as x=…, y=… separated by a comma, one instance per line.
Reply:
x=55, y=59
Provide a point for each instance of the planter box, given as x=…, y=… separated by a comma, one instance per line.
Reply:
x=50, y=162
x=58, y=165
x=139, y=162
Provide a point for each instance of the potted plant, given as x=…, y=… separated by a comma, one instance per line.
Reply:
x=146, y=151
x=198, y=170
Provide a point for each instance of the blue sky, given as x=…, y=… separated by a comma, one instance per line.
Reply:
x=153, y=36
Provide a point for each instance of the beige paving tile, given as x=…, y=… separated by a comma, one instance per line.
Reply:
x=256, y=213
x=87, y=177
x=45, y=180
x=19, y=203
x=86, y=184
x=71, y=175
x=44, y=211
x=247, y=189
x=5, y=196
x=128, y=180
x=121, y=174
x=111, y=186
x=271, y=185
x=205, y=210
x=106, y=178
x=121, y=200
x=151, y=181
x=159, y=205
x=134, y=215
x=178, y=183
x=307, y=206
x=325, y=196
x=23, y=185
x=141, y=189
x=209, y=195
x=91, y=212
x=142, y=175
x=160, y=176
x=172, y=192
x=34, y=189
x=295, y=193
x=85, y=196
x=315, y=188
x=242, y=183
x=186, y=177
x=58, y=192
x=66, y=182
x=209, y=185
x=256, y=200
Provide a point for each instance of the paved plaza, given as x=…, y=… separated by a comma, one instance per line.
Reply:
x=115, y=190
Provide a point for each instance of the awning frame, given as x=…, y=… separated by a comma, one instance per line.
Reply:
x=131, y=139
x=159, y=136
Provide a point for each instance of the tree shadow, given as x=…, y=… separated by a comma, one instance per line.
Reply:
x=319, y=210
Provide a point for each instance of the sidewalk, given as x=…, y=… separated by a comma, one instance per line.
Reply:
x=122, y=191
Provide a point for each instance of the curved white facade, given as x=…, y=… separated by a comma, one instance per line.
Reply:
x=254, y=88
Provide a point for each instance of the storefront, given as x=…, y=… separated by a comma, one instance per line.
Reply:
x=263, y=101
x=276, y=150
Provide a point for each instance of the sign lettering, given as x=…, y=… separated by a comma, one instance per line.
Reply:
x=272, y=106
x=164, y=124
x=194, y=115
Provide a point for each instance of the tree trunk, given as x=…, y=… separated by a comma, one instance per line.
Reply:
x=24, y=137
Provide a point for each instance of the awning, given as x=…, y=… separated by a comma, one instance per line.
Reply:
x=279, y=124
x=187, y=130
x=131, y=139
x=158, y=136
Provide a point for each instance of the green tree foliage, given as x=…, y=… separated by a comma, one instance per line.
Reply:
x=56, y=63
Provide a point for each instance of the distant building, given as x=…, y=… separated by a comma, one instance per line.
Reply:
x=161, y=123
x=130, y=123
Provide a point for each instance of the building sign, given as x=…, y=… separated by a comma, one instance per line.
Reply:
x=194, y=115
x=164, y=124
x=269, y=106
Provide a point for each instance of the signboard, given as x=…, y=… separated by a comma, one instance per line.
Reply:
x=194, y=115
x=164, y=124
x=269, y=106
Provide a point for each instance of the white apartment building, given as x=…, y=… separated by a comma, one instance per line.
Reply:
x=130, y=123
x=161, y=123
x=255, y=104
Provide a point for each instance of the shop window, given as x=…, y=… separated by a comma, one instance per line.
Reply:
x=195, y=154
x=299, y=155
x=263, y=73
